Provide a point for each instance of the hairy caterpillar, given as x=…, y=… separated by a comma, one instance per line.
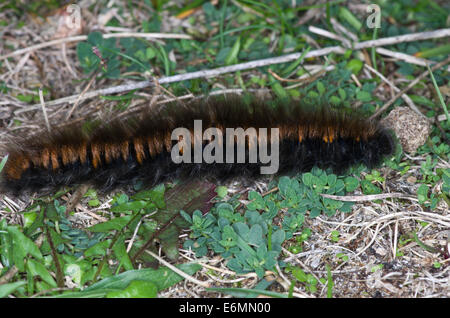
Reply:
x=124, y=151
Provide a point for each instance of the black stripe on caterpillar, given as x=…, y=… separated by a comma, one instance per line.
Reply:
x=123, y=151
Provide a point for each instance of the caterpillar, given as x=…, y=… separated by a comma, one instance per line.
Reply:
x=143, y=148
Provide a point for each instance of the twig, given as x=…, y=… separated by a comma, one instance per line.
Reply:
x=270, y=191
x=64, y=57
x=187, y=76
x=59, y=272
x=441, y=33
x=228, y=272
x=394, y=247
x=370, y=197
x=407, y=88
x=244, y=66
x=405, y=57
x=304, y=266
x=283, y=281
x=313, y=13
x=44, y=111
x=76, y=198
x=111, y=245
x=339, y=28
x=105, y=36
x=154, y=235
x=281, y=79
x=405, y=97
x=373, y=43
x=133, y=237
x=330, y=35
x=442, y=117
x=305, y=78
x=178, y=271
x=81, y=95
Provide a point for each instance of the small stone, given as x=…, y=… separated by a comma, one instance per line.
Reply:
x=412, y=130
x=411, y=179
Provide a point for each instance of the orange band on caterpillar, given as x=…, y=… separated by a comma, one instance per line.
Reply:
x=140, y=149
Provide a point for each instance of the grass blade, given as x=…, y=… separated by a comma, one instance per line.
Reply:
x=441, y=99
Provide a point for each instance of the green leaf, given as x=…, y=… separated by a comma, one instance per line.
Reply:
x=425, y=246
x=29, y=218
x=187, y=196
x=320, y=88
x=314, y=212
x=87, y=58
x=163, y=277
x=133, y=206
x=6, y=245
x=422, y=193
x=150, y=53
x=136, y=289
x=354, y=66
x=278, y=89
x=51, y=212
x=3, y=162
x=257, y=201
x=369, y=188
x=335, y=100
x=73, y=271
x=438, y=92
x=255, y=236
x=364, y=96
x=95, y=38
x=25, y=98
x=22, y=246
x=233, y=53
x=221, y=191
x=94, y=202
x=7, y=289
x=346, y=15
x=56, y=237
x=37, y=269
x=155, y=195
x=307, y=178
x=241, y=229
x=284, y=184
x=435, y=51
x=296, y=63
x=113, y=224
x=243, y=245
x=98, y=249
x=299, y=274
x=39, y=222
x=278, y=238
x=169, y=242
x=186, y=216
x=351, y=184
x=331, y=180
x=313, y=94
x=342, y=94
x=120, y=252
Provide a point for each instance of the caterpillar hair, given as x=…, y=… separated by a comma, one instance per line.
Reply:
x=125, y=151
